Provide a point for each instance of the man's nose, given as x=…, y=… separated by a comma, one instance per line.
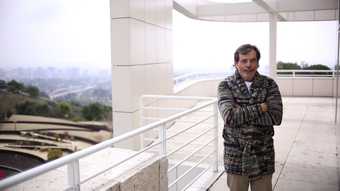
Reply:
x=248, y=63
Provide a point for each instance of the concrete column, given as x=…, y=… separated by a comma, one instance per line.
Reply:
x=140, y=57
x=336, y=95
x=272, y=45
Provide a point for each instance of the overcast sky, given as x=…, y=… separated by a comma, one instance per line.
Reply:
x=61, y=33
x=76, y=33
x=210, y=45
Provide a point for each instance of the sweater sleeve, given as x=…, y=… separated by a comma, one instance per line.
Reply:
x=274, y=102
x=232, y=113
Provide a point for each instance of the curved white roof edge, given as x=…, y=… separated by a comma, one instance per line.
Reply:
x=260, y=10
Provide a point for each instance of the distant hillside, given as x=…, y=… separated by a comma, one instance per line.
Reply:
x=99, y=95
x=17, y=98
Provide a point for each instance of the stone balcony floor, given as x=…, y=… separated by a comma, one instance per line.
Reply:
x=306, y=147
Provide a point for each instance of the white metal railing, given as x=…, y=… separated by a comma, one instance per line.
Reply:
x=72, y=160
x=154, y=105
x=280, y=72
x=306, y=73
x=199, y=76
x=186, y=80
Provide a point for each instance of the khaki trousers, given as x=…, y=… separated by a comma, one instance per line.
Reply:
x=241, y=183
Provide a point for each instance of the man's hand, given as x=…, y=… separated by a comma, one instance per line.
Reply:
x=264, y=107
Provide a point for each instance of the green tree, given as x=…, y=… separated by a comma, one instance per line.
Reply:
x=15, y=87
x=317, y=67
x=26, y=108
x=65, y=109
x=33, y=108
x=3, y=84
x=93, y=112
x=43, y=109
x=33, y=91
x=288, y=66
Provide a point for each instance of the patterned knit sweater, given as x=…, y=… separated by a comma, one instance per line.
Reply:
x=248, y=131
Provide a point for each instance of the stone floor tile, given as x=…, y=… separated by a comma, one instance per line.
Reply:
x=305, y=155
x=292, y=185
x=278, y=170
x=310, y=173
x=221, y=184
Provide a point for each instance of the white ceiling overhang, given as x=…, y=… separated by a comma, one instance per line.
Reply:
x=260, y=10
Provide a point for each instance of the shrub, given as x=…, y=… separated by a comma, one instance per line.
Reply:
x=32, y=91
x=15, y=87
x=317, y=67
x=54, y=154
x=93, y=112
x=288, y=66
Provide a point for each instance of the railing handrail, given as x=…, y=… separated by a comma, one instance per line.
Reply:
x=176, y=97
x=305, y=73
x=184, y=75
x=194, y=76
x=29, y=174
x=296, y=70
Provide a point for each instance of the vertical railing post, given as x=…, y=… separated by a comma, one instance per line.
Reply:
x=177, y=175
x=337, y=72
x=162, y=138
x=74, y=175
x=215, y=110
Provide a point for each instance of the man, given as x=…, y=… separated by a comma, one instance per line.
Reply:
x=250, y=104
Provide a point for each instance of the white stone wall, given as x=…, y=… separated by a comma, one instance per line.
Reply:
x=141, y=57
x=310, y=87
x=152, y=176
